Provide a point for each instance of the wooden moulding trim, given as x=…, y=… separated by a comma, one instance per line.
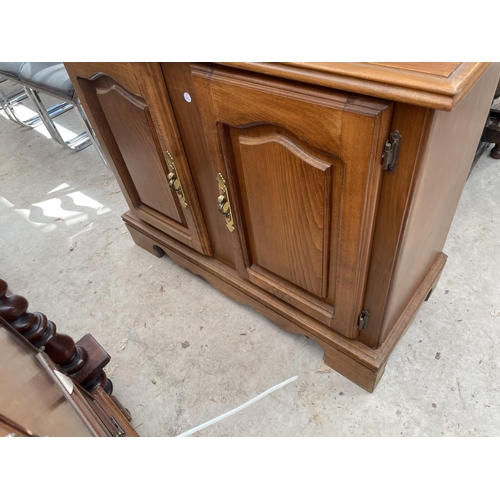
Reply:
x=169, y=226
x=373, y=359
x=93, y=70
x=400, y=85
x=275, y=86
x=317, y=309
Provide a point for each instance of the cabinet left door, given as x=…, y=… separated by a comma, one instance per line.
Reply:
x=129, y=108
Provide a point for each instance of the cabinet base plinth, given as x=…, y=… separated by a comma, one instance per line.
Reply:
x=352, y=359
x=350, y=368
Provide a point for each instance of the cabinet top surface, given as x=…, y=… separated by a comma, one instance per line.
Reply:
x=438, y=85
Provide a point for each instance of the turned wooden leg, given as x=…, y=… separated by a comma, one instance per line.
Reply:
x=83, y=361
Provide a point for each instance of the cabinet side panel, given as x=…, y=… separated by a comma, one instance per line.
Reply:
x=441, y=173
x=393, y=204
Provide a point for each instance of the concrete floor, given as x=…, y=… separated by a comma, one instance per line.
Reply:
x=63, y=246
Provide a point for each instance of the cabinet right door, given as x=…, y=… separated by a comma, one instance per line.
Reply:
x=299, y=169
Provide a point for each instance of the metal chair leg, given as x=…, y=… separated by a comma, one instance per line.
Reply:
x=42, y=113
x=7, y=103
x=4, y=104
x=77, y=143
x=90, y=131
x=46, y=115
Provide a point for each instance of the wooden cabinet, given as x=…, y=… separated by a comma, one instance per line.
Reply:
x=302, y=186
x=135, y=123
x=291, y=202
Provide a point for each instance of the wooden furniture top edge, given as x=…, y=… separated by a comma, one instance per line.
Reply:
x=432, y=68
x=431, y=85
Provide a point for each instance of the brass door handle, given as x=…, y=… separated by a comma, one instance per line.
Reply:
x=224, y=206
x=173, y=180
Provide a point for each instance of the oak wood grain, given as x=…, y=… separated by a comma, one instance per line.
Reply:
x=137, y=140
x=392, y=206
x=242, y=99
x=303, y=185
x=287, y=202
x=150, y=79
x=428, y=88
x=360, y=192
x=442, y=169
x=444, y=69
x=141, y=139
x=321, y=231
x=179, y=82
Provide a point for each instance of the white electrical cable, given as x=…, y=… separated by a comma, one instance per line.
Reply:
x=239, y=408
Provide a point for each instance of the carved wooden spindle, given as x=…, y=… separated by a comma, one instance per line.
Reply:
x=73, y=359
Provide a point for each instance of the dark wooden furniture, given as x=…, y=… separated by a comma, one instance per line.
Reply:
x=83, y=361
x=32, y=334
x=491, y=133
x=321, y=194
x=37, y=399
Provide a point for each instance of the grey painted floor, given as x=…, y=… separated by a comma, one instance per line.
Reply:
x=63, y=246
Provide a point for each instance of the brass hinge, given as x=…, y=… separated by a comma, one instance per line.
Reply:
x=363, y=320
x=391, y=152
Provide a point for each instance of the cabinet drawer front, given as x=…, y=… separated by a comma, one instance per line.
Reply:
x=129, y=107
x=303, y=168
